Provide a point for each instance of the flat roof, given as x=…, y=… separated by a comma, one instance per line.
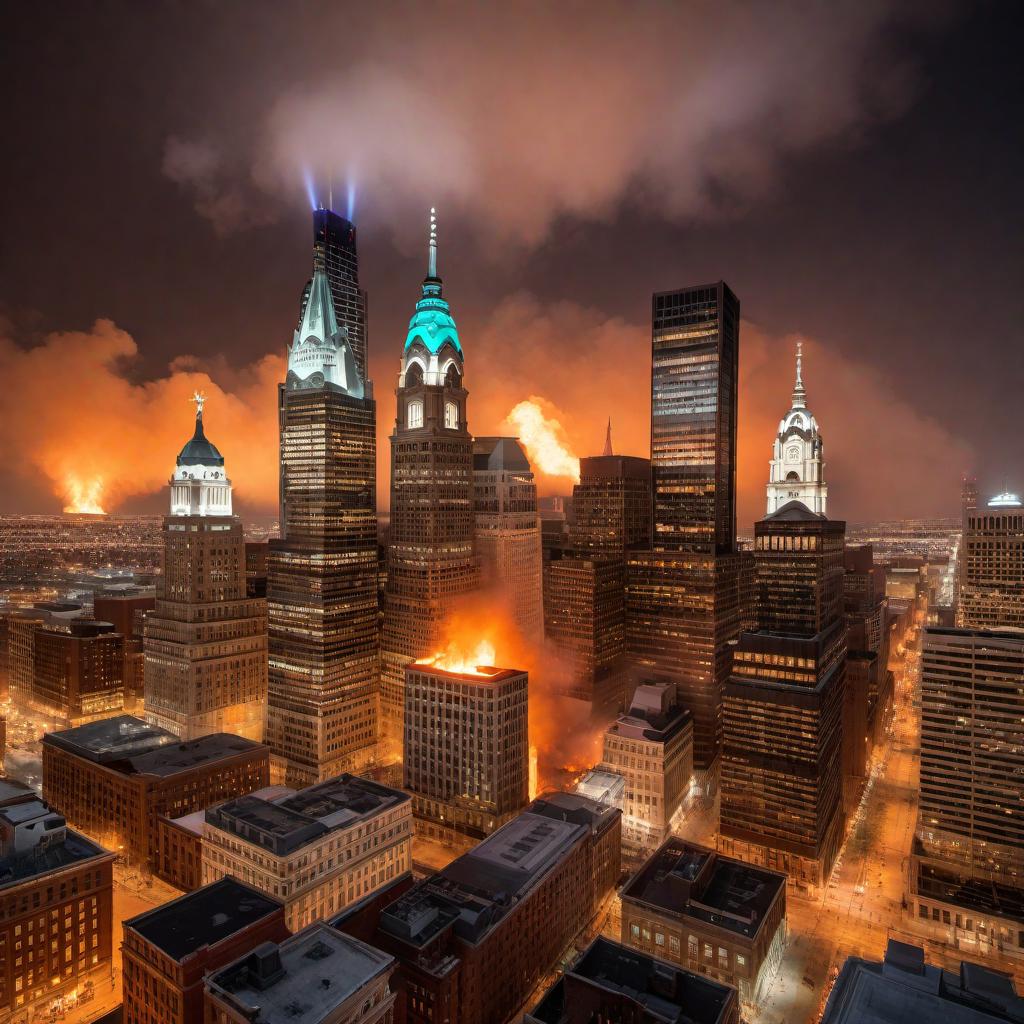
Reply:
x=305, y=978
x=483, y=673
x=477, y=890
x=904, y=988
x=669, y=992
x=194, y=822
x=288, y=821
x=577, y=808
x=131, y=747
x=203, y=918
x=694, y=881
x=75, y=849
x=14, y=790
x=657, y=729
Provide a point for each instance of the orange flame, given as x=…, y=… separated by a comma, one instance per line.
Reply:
x=84, y=497
x=455, y=658
x=544, y=437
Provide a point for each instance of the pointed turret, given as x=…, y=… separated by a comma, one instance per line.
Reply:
x=200, y=485
x=320, y=355
x=608, y=439
x=432, y=324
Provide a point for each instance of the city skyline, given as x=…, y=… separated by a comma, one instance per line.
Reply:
x=861, y=359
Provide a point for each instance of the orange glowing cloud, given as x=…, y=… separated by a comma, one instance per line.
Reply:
x=544, y=439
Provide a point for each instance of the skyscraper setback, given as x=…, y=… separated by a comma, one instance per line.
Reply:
x=682, y=597
x=335, y=253
x=431, y=559
x=322, y=573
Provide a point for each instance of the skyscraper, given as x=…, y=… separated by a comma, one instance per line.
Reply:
x=682, y=597
x=797, y=466
x=335, y=253
x=611, y=506
x=205, y=642
x=992, y=560
x=508, y=528
x=431, y=559
x=782, y=739
x=322, y=573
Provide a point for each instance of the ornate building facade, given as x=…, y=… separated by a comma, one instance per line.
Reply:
x=431, y=556
x=205, y=642
x=797, y=466
x=322, y=572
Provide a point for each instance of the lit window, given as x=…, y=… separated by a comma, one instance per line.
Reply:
x=451, y=415
x=414, y=415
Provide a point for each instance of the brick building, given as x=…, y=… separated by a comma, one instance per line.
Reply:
x=708, y=913
x=473, y=940
x=79, y=672
x=169, y=951
x=56, y=905
x=114, y=778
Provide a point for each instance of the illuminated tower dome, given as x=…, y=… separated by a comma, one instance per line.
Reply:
x=797, y=466
x=200, y=487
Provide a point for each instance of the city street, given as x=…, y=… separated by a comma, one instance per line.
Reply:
x=863, y=900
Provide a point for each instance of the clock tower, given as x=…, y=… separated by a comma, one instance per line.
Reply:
x=797, y=467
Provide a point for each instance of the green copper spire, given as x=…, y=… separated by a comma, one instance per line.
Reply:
x=432, y=323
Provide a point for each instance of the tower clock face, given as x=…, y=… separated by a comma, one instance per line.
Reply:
x=793, y=454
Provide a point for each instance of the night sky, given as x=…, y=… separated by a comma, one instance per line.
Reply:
x=853, y=171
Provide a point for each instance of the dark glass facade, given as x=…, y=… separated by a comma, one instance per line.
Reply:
x=682, y=598
x=783, y=704
x=322, y=586
x=335, y=253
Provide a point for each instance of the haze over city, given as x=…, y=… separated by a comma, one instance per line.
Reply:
x=512, y=513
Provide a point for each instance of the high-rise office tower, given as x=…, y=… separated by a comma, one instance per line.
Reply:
x=431, y=559
x=968, y=504
x=466, y=758
x=322, y=573
x=508, y=528
x=336, y=255
x=967, y=859
x=205, y=642
x=782, y=737
x=612, y=506
x=682, y=597
x=992, y=558
x=797, y=466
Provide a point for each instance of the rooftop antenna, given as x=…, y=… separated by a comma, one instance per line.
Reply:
x=432, y=247
x=608, y=439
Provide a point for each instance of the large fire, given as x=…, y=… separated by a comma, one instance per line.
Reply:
x=544, y=438
x=84, y=497
x=564, y=740
x=455, y=658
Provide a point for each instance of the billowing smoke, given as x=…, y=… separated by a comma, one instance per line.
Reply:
x=516, y=115
x=544, y=439
x=883, y=456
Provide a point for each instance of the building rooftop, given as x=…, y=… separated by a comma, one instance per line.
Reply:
x=194, y=822
x=577, y=808
x=904, y=988
x=795, y=512
x=694, y=881
x=499, y=453
x=305, y=978
x=130, y=746
x=598, y=784
x=667, y=993
x=203, y=918
x=477, y=890
x=653, y=715
x=481, y=673
x=14, y=791
x=72, y=849
x=285, y=823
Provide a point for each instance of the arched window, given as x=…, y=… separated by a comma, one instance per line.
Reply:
x=452, y=378
x=413, y=375
x=414, y=415
x=451, y=415
x=792, y=475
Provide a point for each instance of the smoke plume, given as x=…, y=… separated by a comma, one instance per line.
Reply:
x=517, y=115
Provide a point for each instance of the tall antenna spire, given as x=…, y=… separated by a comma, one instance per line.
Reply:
x=608, y=439
x=799, y=395
x=432, y=248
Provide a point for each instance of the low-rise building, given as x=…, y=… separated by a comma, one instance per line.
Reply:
x=56, y=906
x=114, y=778
x=904, y=988
x=610, y=982
x=711, y=914
x=474, y=939
x=652, y=748
x=319, y=976
x=168, y=951
x=317, y=850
